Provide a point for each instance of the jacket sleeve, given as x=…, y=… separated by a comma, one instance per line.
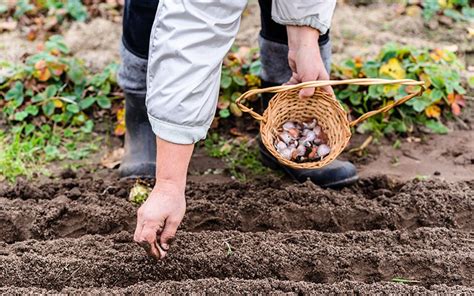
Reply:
x=313, y=13
x=188, y=42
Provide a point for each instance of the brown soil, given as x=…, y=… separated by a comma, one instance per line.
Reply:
x=283, y=238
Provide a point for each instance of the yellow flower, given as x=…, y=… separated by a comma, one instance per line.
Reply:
x=58, y=103
x=433, y=111
x=393, y=68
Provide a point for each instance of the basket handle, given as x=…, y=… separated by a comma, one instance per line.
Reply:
x=321, y=83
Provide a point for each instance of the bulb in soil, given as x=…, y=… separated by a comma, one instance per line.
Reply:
x=323, y=150
x=288, y=125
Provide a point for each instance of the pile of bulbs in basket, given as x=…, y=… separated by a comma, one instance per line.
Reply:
x=302, y=141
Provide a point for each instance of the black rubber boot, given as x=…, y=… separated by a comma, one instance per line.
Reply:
x=139, y=160
x=337, y=174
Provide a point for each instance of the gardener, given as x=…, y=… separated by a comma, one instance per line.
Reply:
x=181, y=45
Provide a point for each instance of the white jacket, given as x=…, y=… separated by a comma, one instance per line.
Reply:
x=188, y=42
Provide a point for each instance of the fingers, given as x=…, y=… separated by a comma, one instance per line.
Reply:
x=307, y=92
x=145, y=236
x=147, y=240
x=329, y=90
x=167, y=236
x=294, y=79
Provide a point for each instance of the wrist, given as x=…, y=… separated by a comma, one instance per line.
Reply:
x=302, y=36
x=170, y=187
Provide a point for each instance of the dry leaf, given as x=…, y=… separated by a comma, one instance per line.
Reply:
x=113, y=158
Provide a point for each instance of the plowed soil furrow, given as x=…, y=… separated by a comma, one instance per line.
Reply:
x=428, y=255
x=216, y=286
x=373, y=204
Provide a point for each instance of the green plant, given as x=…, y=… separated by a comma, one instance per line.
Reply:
x=241, y=156
x=51, y=100
x=53, y=88
x=139, y=193
x=40, y=17
x=458, y=10
x=443, y=98
x=24, y=150
x=240, y=71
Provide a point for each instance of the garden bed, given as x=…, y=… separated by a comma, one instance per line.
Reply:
x=269, y=234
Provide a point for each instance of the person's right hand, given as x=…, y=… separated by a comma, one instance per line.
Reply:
x=158, y=219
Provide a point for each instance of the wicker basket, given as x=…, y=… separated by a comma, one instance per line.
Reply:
x=286, y=105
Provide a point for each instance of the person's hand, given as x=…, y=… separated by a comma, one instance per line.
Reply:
x=158, y=219
x=305, y=59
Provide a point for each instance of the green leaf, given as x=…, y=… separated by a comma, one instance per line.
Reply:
x=20, y=116
x=459, y=89
x=239, y=80
x=454, y=14
x=419, y=104
x=50, y=91
x=37, y=98
x=29, y=128
x=256, y=68
x=224, y=113
x=57, y=42
x=87, y=102
x=57, y=117
x=436, y=126
x=104, y=102
x=375, y=91
x=68, y=133
x=88, y=126
x=371, y=69
x=356, y=98
x=48, y=108
x=226, y=81
x=235, y=95
x=76, y=72
x=438, y=82
x=15, y=93
x=76, y=10
x=73, y=108
x=436, y=95
x=470, y=81
x=32, y=110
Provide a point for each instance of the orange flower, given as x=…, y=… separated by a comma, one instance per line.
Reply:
x=433, y=111
x=457, y=102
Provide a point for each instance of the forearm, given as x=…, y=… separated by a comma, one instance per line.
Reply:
x=172, y=161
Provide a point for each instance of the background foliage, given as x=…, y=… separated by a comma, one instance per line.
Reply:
x=439, y=69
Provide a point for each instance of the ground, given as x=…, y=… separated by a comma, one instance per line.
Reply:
x=409, y=217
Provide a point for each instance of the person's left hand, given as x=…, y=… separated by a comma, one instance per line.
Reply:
x=305, y=59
